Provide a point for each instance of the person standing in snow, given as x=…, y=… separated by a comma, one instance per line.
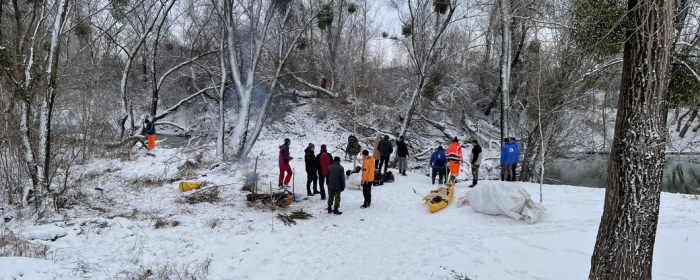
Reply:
x=150, y=132
x=516, y=157
x=376, y=154
x=437, y=162
x=284, y=159
x=475, y=161
x=504, y=153
x=323, y=161
x=311, y=170
x=402, y=153
x=353, y=148
x=336, y=185
x=367, y=178
x=454, y=156
x=385, y=150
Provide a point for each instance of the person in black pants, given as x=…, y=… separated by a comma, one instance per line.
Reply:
x=385, y=150
x=367, y=178
x=311, y=170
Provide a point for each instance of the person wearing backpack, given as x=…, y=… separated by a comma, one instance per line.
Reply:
x=437, y=162
x=402, y=153
x=385, y=151
x=323, y=161
x=353, y=148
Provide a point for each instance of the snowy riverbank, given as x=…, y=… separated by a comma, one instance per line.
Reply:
x=113, y=234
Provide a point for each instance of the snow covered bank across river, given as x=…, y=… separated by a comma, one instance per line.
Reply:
x=396, y=238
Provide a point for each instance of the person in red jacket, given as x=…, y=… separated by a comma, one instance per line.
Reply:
x=454, y=156
x=284, y=159
x=324, y=160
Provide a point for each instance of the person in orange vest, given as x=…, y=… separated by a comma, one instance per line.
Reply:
x=454, y=156
x=367, y=178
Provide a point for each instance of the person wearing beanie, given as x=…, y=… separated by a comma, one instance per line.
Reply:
x=336, y=185
x=475, y=161
x=284, y=159
x=311, y=170
x=437, y=161
x=454, y=157
x=376, y=154
x=385, y=149
x=402, y=153
x=367, y=178
x=515, y=158
x=323, y=161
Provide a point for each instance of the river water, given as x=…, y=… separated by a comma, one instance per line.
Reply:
x=681, y=174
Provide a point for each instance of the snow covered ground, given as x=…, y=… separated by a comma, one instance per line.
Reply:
x=112, y=234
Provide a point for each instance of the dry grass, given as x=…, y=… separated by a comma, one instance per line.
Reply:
x=191, y=271
x=12, y=245
x=214, y=223
x=210, y=195
x=161, y=223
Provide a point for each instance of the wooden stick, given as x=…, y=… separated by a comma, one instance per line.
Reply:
x=255, y=184
x=272, y=209
x=294, y=172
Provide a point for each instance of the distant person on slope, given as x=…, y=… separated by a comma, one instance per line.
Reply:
x=284, y=159
x=311, y=170
x=376, y=154
x=475, y=161
x=385, y=150
x=367, y=178
x=437, y=162
x=454, y=156
x=504, y=153
x=402, y=153
x=336, y=185
x=353, y=148
x=516, y=157
x=323, y=161
x=150, y=134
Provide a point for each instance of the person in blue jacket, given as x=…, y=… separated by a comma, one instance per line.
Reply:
x=504, y=162
x=437, y=161
x=516, y=156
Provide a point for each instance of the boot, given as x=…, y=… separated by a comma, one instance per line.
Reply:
x=474, y=181
x=329, y=209
x=364, y=205
x=335, y=211
x=309, y=193
x=316, y=191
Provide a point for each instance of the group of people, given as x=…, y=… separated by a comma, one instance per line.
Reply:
x=443, y=162
x=323, y=169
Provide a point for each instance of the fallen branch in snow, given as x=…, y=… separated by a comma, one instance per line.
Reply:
x=288, y=221
x=316, y=88
x=127, y=142
x=177, y=105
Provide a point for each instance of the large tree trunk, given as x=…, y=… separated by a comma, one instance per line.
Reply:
x=505, y=67
x=625, y=244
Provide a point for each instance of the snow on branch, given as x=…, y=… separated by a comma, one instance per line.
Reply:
x=183, y=101
x=695, y=74
x=173, y=124
x=599, y=68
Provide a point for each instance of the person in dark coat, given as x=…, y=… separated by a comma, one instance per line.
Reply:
x=323, y=161
x=150, y=132
x=475, y=162
x=437, y=161
x=385, y=149
x=311, y=170
x=336, y=185
x=284, y=159
x=402, y=152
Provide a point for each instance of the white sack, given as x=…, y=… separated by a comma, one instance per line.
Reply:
x=509, y=200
